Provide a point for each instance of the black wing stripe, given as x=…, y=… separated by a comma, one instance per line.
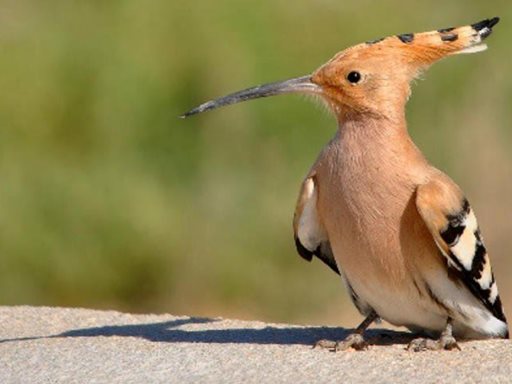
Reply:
x=452, y=233
x=479, y=259
x=322, y=252
x=483, y=295
x=303, y=251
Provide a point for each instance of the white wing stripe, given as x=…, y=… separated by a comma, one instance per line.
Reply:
x=309, y=231
x=465, y=247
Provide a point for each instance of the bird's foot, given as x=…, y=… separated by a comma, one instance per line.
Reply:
x=354, y=340
x=445, y=342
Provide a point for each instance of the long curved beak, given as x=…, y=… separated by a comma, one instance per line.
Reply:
x=297, y=85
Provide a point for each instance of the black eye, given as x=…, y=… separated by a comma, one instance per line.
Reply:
x=354, y=77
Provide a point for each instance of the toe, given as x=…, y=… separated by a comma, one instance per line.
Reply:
x=325, y=344
x=449, y=343
x=422, y=344
x=354, y=341
x=417, y=345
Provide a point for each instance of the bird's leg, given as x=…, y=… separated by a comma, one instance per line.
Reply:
x=446, y=341
x=354, y=340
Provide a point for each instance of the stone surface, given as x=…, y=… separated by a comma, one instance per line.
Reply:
x=63, y=345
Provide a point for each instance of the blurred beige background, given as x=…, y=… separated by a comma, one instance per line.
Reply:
x=108, y=200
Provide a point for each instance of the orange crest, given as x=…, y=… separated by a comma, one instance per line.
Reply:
x=374, y=77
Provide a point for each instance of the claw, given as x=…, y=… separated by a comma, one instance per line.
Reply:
x=449, y=343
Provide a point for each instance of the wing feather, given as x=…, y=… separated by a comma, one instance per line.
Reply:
x=453, y=225
x=310, y=235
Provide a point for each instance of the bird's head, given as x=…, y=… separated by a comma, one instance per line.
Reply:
x=372, y=78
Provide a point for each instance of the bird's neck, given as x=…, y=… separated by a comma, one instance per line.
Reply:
x=370, y=124
x=378, y=139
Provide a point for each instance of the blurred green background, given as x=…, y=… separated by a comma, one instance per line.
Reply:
x=108, y=200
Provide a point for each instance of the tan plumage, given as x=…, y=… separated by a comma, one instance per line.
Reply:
x=399, y=231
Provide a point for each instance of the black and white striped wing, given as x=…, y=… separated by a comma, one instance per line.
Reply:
x=454, y=227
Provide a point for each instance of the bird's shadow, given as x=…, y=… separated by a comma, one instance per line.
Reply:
x=167, y=331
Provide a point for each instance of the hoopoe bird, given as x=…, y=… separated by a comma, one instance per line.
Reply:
x=400, y=232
